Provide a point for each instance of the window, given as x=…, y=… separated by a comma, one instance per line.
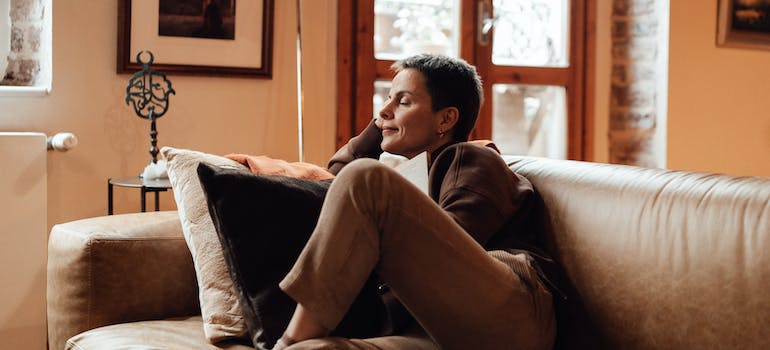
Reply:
x=5, y=33
x=529, y=53
x=25, y=47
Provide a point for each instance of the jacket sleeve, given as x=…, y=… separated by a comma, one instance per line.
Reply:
x=364, y=145
x=478, y=190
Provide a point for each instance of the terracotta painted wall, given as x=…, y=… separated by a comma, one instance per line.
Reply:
x=319, y=79
x=602, y=62
x=719, y=109
x=211, y=114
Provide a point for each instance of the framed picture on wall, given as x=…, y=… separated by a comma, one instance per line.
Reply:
x=197, y=37
x=744, y=23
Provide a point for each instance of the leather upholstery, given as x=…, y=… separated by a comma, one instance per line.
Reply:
x=661, y=259
x=116, y=269
x=186, y=333
x=171, y=334
x=654, y=259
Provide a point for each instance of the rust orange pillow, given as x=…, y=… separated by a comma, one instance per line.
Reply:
x=268, y=166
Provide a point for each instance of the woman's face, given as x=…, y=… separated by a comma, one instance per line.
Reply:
x=408, y=123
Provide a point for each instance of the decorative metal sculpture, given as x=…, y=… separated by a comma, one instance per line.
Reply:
x=148, y=91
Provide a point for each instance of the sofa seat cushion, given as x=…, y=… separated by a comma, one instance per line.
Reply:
x=187, y=334
x=169, y=334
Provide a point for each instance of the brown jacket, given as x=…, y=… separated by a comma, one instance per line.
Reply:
x=470, y=182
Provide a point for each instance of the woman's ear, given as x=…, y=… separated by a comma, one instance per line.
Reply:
x=448, y=118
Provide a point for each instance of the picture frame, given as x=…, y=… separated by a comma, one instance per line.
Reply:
x=246, y=51
x=743, y=24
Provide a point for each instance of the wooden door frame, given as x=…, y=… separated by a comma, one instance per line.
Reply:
x=356, y=62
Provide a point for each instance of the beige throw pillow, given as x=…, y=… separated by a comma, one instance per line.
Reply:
x=221, y=311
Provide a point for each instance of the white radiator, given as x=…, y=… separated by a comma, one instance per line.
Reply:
x=24, y=241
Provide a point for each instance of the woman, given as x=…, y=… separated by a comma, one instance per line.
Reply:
x=430, y=250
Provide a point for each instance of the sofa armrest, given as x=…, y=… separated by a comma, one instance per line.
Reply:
x=115, y=269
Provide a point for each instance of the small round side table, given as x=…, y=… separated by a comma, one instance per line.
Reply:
x=155, y=186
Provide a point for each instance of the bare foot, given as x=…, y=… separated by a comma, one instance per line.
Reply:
x=283, y=343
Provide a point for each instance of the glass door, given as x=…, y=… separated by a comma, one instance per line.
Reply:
x=403, y=28
x=528, y=53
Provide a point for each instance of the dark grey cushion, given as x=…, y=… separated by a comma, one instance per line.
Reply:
x=263, y=223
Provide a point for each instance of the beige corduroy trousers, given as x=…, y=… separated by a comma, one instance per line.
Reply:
x=463, y=296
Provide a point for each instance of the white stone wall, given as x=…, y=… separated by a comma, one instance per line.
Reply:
x=28, y=62
x=636, y=73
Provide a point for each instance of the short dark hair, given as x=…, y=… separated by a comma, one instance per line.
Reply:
x=451, y=82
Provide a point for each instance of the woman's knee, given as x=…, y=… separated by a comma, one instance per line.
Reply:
x=364, y=172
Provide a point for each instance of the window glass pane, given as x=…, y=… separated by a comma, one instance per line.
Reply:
x=381, y=90
x=406, y=27
x=531, y=33
x=530, y=120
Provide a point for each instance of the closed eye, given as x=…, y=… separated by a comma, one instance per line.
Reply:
x=403, y=98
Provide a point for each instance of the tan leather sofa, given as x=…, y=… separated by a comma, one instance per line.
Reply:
x=653, y=259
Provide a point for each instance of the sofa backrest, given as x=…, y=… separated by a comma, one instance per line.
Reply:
x=657, y=259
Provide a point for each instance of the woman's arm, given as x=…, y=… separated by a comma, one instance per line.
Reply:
x=478, y=190
x=365, y=145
